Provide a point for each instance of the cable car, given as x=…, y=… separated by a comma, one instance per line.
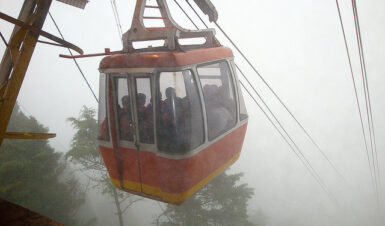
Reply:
x=170, y=120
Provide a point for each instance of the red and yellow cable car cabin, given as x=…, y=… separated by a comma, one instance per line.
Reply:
x=170, y=118
x=169, y=122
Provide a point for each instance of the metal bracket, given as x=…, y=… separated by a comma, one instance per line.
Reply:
x=170, y=33
x=40, y=32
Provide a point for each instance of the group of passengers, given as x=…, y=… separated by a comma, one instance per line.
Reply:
x=172, y=123
x=220, y=109
x=170, y=112
x=126, y=123
x=173, y=115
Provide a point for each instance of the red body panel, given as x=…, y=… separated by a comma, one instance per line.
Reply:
x=166, y=178
x=174, y=175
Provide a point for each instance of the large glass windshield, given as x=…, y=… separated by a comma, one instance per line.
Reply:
x=179, y=112
x=123, y=107
x=218, y=92
x=144, y=108
x=103, y=133
x=242, y=107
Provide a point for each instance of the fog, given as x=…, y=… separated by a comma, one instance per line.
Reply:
x=298, y=47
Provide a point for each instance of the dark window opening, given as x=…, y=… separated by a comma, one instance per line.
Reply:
x=179, y=113
x=123, y=101
x=242, y=107
x=103, y=133
x=144, y=109
x=219, y=96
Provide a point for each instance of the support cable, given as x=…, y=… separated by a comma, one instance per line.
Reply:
x=5, y=41
x=180, y=7
x=357, y=100
x=304, y=160
x=117, y=18
x=366, y=89
x=279, y=123
x=196, y=13
x=315, y=176
x=264, y=81
x=76, y=63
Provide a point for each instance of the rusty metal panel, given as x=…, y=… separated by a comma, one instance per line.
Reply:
x=22, y=45
x=77, y=3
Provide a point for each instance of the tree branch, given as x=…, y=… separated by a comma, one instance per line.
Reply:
x=132, y=202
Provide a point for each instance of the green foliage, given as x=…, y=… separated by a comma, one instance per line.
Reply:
x=84, y=149
x=85, y=154
x=84, y=144
x=34, y=176
x=221, y=202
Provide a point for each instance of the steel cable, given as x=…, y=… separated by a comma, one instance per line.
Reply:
x=366, y=87
x=367, y=101
x=304, y=160
x=310, y=169
x=274, y=93
x=355, y=91
x=77, y=65
x=117, y=18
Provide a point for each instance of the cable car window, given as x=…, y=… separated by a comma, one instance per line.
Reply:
x=103, y=133
x=242, y=107
x=123, y=101
x=179, y=113
x=218, y=92
x=144, y=110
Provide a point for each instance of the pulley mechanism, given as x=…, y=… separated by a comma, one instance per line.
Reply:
x=171, y=32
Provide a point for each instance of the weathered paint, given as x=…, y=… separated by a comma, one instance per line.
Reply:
x=173, y=180
x=165, y=59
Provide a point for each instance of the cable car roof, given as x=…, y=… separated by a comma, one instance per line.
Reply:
x=165, y=59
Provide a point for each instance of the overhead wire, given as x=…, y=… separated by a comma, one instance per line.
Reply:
x=303, y=159
x=367, y=103
x=76, y=63
x=280, y=125
x=371, y=167
x=309, y=168
x=196, y=13
x=185, y=13
x=271, y=89
x=117, y=18
x=366, y=88
x=5, y=41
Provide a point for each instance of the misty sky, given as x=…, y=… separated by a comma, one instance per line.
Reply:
x=298, y=48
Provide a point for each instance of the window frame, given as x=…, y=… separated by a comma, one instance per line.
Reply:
x=154, y=74
x=114, y=77
x=134, y=86
x=192, y=69
x=239, y=92
x=106, y=100
x=231, y=78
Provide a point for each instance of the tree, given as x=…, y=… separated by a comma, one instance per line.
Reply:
x=85, y=153
x=36, y=177
x=221, y=202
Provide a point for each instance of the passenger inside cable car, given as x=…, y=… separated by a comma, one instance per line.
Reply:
x=180, y=123
x=219, y=98
x=176, y=116
x=174, y=127
x=125, y=120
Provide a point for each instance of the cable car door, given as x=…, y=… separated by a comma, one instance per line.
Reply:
x=135, y=127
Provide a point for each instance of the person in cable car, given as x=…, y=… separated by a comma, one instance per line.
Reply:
x=144, y=119
x=184, y=140
x=125, y=120
x=172, y=120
